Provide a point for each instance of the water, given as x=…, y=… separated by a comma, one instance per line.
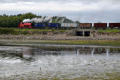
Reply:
x=61, y=62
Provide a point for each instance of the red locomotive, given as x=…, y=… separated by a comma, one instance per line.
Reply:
x=25, y=25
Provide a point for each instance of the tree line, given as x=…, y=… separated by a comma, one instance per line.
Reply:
x=10, y=21
x=14, y=20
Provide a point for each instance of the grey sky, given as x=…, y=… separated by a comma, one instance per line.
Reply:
x=82, y=10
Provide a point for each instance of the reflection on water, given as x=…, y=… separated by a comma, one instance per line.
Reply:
x=67, y=63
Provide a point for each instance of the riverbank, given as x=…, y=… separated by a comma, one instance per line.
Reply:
x=57, y=34
x=106, y=76
x=11, y=36
x=67, y=42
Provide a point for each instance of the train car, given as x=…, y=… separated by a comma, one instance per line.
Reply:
x=53, y=25
x=39, y=25
x=100, y=25
x=25, y=25
x=114, y=25
x=85, y=25
x=69, y=25
x=73, y=25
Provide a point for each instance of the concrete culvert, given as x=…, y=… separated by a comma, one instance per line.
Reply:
x=79, y=33
x=87, y=33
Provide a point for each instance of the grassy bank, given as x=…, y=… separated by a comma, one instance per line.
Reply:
x=17, y=31
x=67, y=42
x=109, y=31
x=31, y=76
x=84, y=42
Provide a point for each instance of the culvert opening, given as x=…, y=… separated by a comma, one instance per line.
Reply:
x=87, y=33
x=79, y=33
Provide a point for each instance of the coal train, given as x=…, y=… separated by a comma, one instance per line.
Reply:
x=46, y=23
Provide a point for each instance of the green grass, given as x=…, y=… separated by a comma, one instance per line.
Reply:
x=109, y=30
x=67, y=42
x=107, y=76
x=16, y=31
x=82, y=42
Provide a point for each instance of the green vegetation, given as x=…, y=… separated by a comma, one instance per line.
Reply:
x=14, y=20
x=67, y=42
x=16, y=31
x=84, y=42
x=106, y=76
x=79, y=42
x=109, y=31
x=10, y=21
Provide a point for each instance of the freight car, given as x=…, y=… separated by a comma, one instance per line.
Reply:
x=100, y=25
x=85, y=25
x=114, y=25
x=68, y=25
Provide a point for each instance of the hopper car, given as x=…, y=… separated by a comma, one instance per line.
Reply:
x=114, y=25
x=100, y=25
x=85, y=25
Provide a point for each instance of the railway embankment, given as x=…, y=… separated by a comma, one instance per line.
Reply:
x=56, y=36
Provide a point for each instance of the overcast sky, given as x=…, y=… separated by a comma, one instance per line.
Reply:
x=82, y=10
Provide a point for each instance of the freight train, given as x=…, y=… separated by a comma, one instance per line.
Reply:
x=47, y=23
x=70, y=25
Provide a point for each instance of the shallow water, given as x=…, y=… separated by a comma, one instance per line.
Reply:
x=68, y=62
